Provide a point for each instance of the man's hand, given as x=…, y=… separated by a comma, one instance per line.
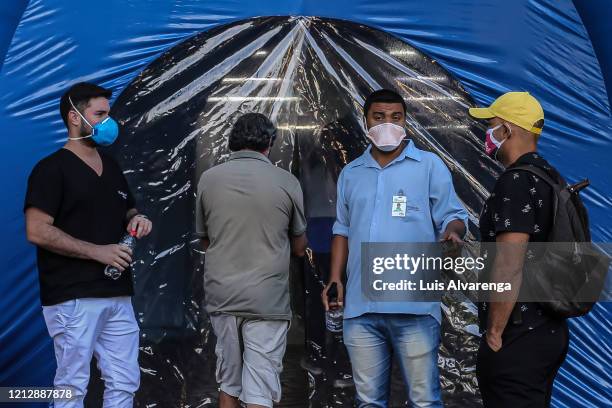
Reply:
x=452, y=243
x=115, y=255
x=494, y=341
x=339, y=302
x=141, y=224
x=451, y=236
x=339, y=255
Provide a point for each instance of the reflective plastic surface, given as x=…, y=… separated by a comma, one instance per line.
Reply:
x=310, y=76
x=544, y=47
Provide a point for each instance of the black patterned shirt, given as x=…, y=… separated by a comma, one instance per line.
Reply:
x=520, y=202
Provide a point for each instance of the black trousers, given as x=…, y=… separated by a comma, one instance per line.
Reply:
x=521, y=374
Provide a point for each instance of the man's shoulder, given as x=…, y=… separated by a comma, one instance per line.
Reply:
x=50, y=162
x=56, y=156
x=210, y=172
x=515, y=176
x=430, y=158
x=533, y=160
x=514, y=183
x=512, y=178
x=285, y=177
x=220, y=170
x=355, y=163
x=427, y=163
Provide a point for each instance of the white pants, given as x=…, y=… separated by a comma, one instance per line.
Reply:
x=105, y=328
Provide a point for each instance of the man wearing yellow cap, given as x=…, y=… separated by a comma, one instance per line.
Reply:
x=522, y=346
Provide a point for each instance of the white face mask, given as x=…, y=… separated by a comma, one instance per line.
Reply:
x=387, y=136
x=492, y=145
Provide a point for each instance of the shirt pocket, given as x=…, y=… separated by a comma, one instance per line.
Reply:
x=416, y=210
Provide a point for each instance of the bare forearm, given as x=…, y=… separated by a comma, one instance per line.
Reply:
x=339, y=256
x=298, y=245
x=55, y=240
x=507, y=267
x=499, y=314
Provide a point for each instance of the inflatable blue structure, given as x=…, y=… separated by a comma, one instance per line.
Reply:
x=557, y=50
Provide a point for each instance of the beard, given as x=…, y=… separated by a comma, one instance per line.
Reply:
x=85, y=130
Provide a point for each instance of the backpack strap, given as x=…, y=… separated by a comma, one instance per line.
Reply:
x=540, y=173
x=556, y=186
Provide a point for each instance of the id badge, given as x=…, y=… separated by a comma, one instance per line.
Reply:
x=399, y=206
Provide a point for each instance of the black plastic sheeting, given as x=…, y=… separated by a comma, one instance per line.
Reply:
x=310, y=76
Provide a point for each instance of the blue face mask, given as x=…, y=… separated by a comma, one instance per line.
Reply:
x=103, y=134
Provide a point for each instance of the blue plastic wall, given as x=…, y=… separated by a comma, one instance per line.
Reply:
x=561, y=56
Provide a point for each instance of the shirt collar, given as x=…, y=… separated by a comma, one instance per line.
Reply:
x=249, y=154
x=531, y=158
x=410, y=151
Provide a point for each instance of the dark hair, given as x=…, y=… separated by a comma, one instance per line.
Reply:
x=539, y=124
x=383, y=96
x=252, y=131
x=81, y=94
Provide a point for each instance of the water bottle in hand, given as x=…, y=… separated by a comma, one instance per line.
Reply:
x=335, y=314
x=128, y=240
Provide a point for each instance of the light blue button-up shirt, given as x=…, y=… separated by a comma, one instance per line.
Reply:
x=363, y=214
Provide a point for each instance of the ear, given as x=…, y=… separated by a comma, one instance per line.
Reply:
x=74, y=118
x=508, y=129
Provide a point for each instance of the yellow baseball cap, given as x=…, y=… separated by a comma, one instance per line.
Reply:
x=519, y=108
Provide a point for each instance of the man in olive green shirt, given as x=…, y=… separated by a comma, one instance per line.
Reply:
x=250, y=217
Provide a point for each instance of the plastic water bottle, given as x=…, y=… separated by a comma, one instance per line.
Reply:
x=333, y=317
x=128, y=240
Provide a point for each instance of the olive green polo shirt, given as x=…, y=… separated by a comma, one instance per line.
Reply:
x=248, y=208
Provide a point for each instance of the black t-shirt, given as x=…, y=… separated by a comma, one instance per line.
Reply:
x=88, y=207
x=520, y=202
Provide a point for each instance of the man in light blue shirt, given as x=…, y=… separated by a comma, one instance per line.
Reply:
x=391, y=171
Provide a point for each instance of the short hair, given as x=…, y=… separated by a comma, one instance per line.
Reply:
x=252, y=131
x=383, y=96
x=539, y=124
x=80, y=94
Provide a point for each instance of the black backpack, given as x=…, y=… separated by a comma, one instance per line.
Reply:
x=570, y=275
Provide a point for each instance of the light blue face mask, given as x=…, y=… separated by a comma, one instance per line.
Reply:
x=103, y=134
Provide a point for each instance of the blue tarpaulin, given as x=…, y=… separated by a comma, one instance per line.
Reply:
x=557, y=50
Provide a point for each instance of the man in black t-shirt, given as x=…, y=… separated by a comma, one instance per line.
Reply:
x=522, y=346
x=78, y=206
